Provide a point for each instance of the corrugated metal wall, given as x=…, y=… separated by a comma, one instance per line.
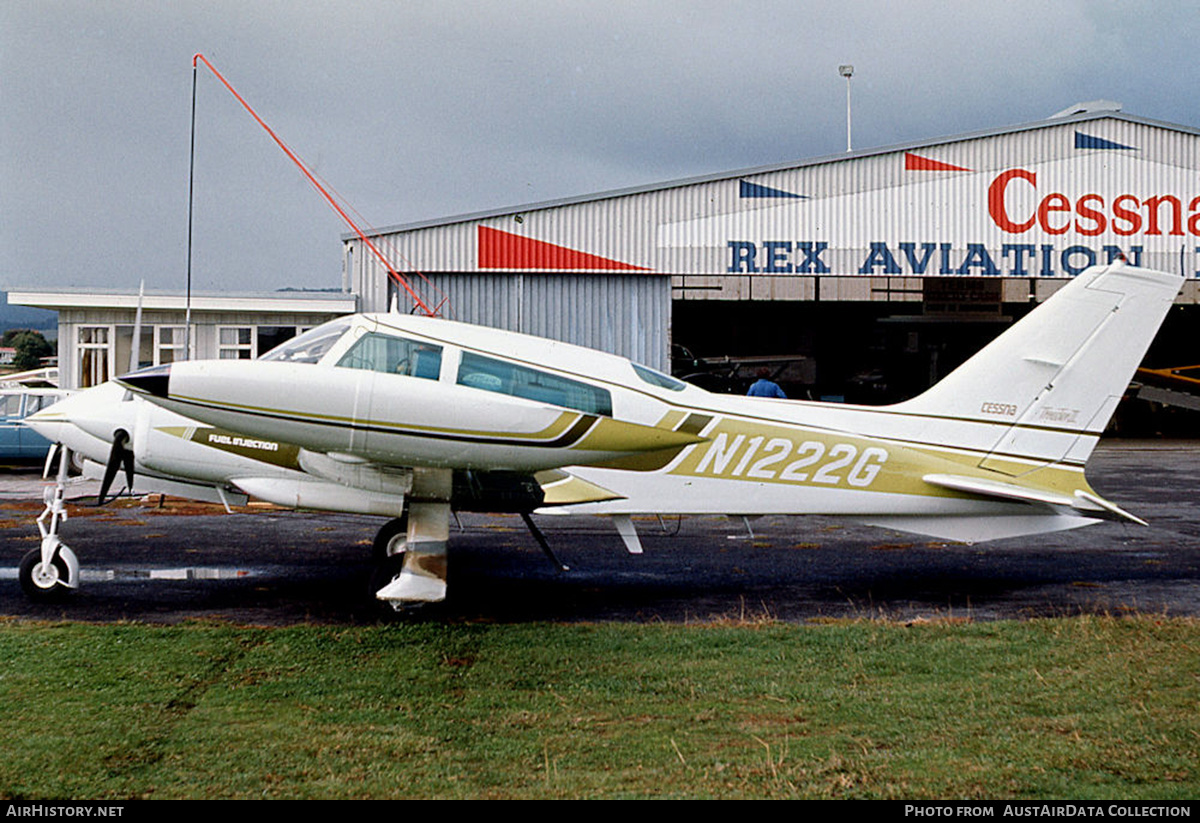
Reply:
x=624, y=314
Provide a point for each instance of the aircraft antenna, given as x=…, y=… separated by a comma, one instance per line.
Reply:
x=135, y=351
x=395, y=275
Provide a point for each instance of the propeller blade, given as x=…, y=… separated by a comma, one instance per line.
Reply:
x=127, y=461
x=118, y=456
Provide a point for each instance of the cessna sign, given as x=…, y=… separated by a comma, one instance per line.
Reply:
x=1091, y=214
x=1049, y=219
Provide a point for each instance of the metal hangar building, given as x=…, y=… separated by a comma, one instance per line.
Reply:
x=882, y=268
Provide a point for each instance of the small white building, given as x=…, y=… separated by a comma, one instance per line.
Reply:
x=95, y=328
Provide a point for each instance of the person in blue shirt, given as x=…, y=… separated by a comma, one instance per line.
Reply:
x=764, y=387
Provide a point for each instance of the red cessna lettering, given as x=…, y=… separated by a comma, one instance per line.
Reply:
x=1091, y=214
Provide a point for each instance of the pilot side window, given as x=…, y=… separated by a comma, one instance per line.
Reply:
x=394, y=355
x=479, y=372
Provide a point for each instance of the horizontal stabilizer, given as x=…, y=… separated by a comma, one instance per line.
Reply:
x=1085, y=502
x=975, y=529
x=995, y=488
x=1110, y=507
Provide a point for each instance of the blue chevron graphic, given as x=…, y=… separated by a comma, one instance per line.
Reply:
x=748, y=189
x=1090, y=141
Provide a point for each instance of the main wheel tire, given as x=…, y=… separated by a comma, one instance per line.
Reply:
x=43, y=583
x=391, y=540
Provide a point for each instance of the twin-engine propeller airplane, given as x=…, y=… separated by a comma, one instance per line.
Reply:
x=996, y=449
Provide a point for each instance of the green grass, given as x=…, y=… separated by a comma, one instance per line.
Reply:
x=1073, y=708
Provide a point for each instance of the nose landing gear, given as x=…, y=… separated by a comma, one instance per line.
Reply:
x=50, y=572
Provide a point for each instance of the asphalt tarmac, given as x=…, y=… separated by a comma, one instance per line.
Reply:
x=269, y=567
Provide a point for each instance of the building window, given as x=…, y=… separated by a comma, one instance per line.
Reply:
x=268, y=337
x=93, y=355
x=170, y=343
x=122, y=361
x=248, y=342
x=235, y=342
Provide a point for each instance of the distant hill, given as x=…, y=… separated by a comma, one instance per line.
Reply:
x=25, y=317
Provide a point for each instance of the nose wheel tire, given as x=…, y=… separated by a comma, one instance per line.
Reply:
x=45, y=582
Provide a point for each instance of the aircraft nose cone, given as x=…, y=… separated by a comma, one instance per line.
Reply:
x=46, y=422
x=153, y=381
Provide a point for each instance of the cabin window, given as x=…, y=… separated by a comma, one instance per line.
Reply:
x=394, y=355
x=37, y=402
x=655, y=378
x=10, y=405
x=479, y=372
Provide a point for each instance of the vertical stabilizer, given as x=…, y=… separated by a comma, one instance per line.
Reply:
x=1052, y=381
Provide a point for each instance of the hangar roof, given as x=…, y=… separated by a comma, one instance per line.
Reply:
x=291, y=302
x=1055, y=120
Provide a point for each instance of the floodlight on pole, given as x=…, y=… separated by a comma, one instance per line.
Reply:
x=847, y=71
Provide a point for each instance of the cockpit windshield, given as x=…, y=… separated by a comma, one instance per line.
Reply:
x=311, y=346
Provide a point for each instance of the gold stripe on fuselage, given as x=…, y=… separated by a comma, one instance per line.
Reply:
x=753, y=451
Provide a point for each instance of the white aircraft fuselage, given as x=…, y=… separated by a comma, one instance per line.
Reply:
x=996, y=449
x=411, y=417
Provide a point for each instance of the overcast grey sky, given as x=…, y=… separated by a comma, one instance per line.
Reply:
x=421, y=110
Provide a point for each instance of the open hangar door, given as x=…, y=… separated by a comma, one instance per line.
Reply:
x=858, y=351
x=877, y=352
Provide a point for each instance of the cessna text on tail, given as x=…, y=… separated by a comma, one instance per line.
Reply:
x=997, y=449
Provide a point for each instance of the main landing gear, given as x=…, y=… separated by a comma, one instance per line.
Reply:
x=410, y=550
x=413, y=569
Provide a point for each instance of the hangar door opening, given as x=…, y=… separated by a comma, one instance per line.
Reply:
x=859, y=351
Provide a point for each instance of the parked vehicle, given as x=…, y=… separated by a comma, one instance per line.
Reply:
x=18, y=441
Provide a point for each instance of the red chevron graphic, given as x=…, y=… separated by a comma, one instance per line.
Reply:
x=503, y=250
x=915, y=162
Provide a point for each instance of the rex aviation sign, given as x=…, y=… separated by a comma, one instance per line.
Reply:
x=1045, y=219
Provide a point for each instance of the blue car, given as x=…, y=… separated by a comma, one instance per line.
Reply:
x=18, y=442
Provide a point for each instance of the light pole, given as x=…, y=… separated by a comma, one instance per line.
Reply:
x=847, y=71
